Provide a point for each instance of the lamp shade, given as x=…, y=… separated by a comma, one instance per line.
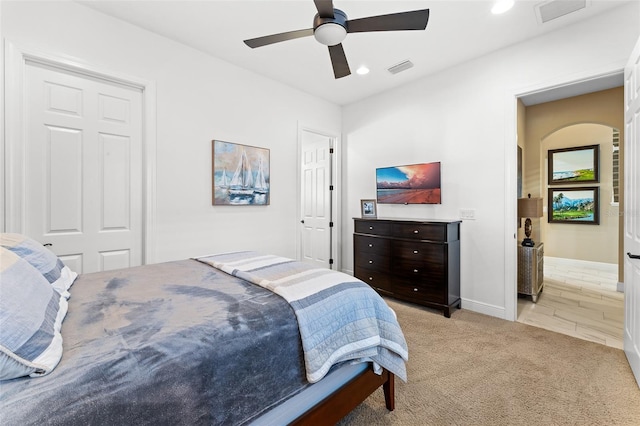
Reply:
x=529, y=207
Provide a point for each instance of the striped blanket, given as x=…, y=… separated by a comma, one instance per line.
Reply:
x=340, y=317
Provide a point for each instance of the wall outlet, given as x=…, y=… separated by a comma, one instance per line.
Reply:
x=468, y=214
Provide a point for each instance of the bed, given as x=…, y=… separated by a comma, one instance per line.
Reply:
x=239, y=338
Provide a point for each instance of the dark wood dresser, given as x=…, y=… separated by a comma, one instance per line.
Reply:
x=413, y=260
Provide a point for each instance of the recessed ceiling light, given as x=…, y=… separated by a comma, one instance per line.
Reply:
x=501, y=6
x=362, y=70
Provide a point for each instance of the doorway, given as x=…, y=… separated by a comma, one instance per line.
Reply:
x=39, y=87
x=577, y=277
x=318, y=198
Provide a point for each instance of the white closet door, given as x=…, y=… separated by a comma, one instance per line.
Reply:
x=83, y=168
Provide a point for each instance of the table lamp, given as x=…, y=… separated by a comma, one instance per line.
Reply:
x=528, y=208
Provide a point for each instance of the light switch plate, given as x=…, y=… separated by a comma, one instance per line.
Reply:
x=468, y=214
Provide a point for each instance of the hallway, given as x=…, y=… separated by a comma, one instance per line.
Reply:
x=579, y=301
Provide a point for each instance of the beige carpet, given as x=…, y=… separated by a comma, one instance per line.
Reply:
x=473, y=369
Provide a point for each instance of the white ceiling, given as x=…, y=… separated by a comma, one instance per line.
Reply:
x=457, y=32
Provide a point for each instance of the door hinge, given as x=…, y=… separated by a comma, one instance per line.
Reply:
x=330, y=187
x=330, y=150
x=330, y=224
x=330, y=261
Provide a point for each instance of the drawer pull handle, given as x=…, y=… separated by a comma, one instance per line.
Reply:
x=371, y=261
x=415, y=252
x=415, y=289
x=370, y=245
x=415, y=232
x=415, y=270
x=371, y=227
x=370, y=278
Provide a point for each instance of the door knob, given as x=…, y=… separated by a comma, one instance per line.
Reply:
x=633, y=256
x=302, y=221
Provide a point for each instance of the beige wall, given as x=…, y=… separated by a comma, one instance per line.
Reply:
x=521, y=116
x=553, y=125
x=522, y=190
x=597, y=243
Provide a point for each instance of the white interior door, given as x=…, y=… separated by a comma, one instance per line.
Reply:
x=316, y=180
x=631, y=209
x=83, y=168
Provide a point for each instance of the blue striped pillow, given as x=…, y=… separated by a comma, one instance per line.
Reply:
x=31, y=314
x=52, y=268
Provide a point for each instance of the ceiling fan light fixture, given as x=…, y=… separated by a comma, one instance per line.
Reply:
x=330, y=33
x=330, y=27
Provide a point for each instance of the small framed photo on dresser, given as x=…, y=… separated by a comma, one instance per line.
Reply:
x=369, y=208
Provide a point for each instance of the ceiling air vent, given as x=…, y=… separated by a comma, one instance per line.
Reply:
x=550, y=10
x=402, y=66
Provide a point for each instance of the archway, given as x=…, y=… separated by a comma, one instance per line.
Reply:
x=579, y=241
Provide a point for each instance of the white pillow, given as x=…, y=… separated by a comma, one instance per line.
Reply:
x=31, y=314
x=45, y=261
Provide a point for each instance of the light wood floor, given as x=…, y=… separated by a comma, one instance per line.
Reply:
x=579, y=300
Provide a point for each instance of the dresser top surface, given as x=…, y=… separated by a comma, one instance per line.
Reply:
x=402, y=219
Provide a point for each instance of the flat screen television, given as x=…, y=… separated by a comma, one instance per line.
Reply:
x=411, y=184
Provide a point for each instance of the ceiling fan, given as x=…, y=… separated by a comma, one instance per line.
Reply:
x=331, y=26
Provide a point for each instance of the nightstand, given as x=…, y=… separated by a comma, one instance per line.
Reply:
x=531, y=270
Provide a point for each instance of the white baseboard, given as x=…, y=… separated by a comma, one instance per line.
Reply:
x=484, y=308
x=583, y=264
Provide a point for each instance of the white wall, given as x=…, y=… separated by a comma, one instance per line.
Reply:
x=465, y=117
x=199, y=98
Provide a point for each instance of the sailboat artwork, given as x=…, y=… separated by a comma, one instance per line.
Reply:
x=260, y=186
x=224, y=180
x=240, y=174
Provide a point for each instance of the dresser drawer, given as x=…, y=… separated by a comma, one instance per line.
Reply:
x=420, y=231
x=372, y=227
x=416, y=270
x=372, y=261
x=429, y=252
x=376, y=279
x=420, y=291
x=366, y=244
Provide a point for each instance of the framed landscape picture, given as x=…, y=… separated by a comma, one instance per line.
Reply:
x=574, y=165
x=241, y=174
x=574, y=205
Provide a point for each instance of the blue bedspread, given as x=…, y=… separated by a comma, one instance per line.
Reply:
x=340, y=317
x=177, y=343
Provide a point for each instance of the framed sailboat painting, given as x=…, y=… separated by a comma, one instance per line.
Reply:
x=240, y=174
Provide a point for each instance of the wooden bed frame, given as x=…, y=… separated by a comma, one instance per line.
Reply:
x=342, y=401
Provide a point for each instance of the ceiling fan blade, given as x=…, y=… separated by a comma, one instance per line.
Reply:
x=339, y=61
x=325, y=8
x=413, y=20
x=276, y=38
